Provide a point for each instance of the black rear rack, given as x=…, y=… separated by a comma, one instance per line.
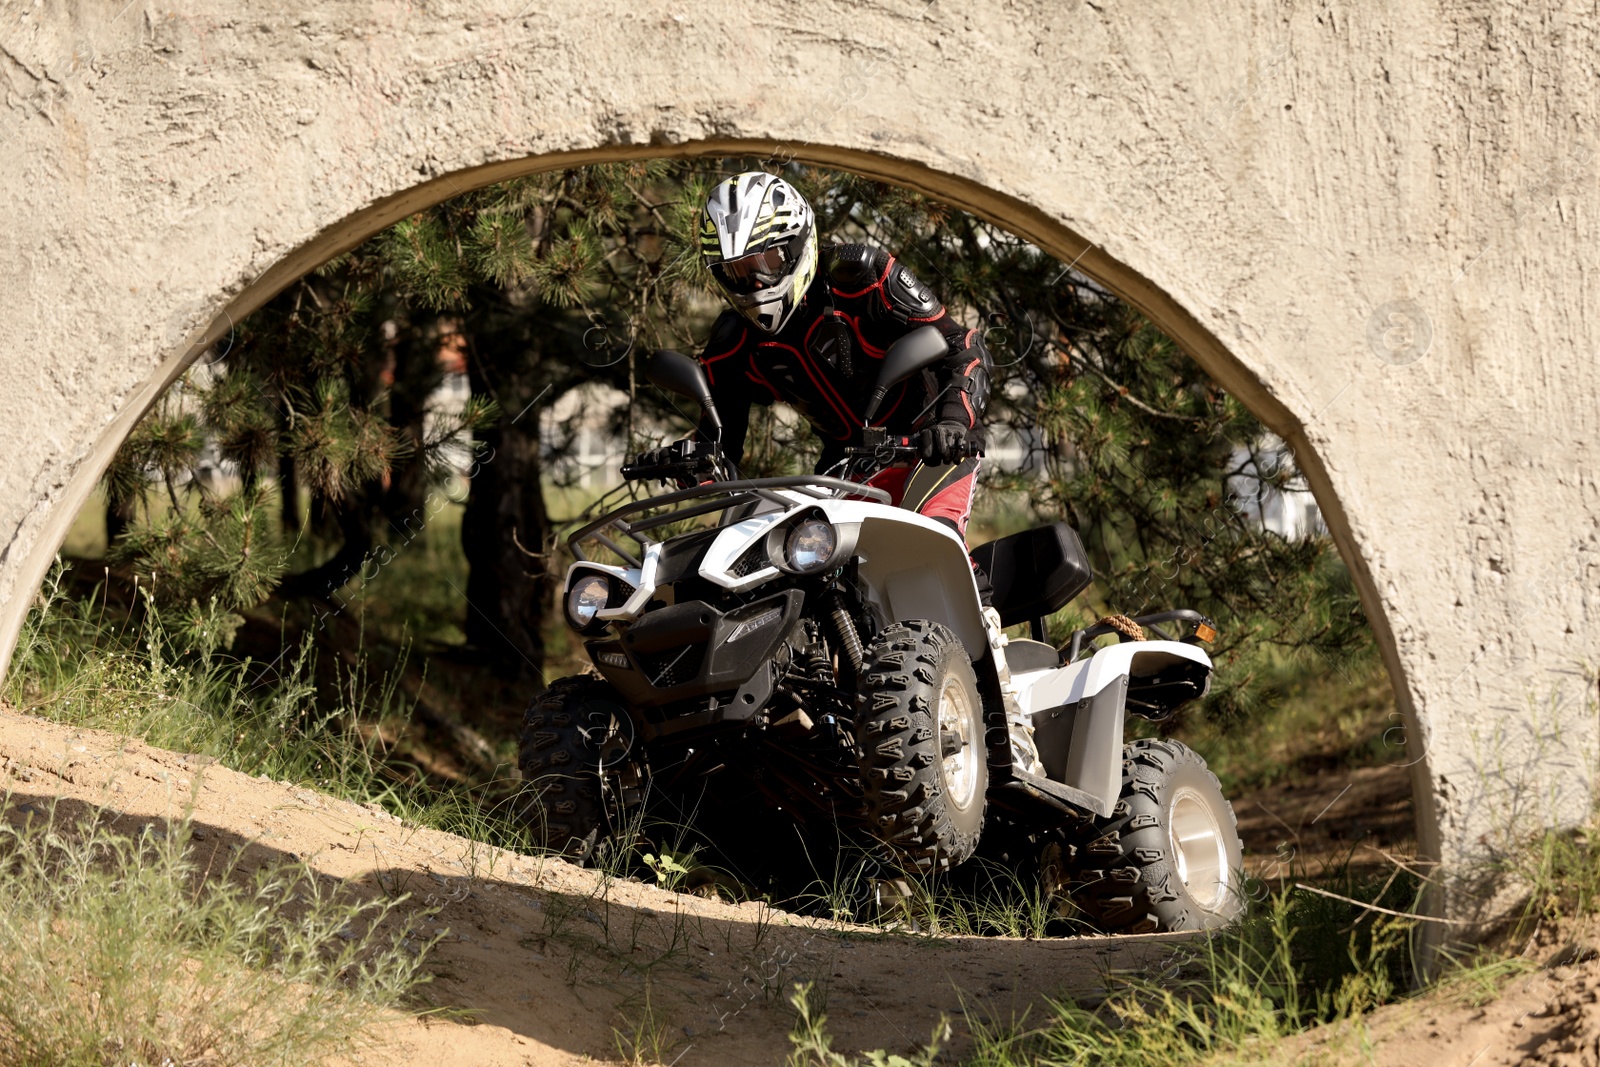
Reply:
x=1151, y=622
x=729, y=495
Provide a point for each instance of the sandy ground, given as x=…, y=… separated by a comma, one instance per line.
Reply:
x=543, y=963
x=1312, y=825
x=547, y=963
x=1549, y=1018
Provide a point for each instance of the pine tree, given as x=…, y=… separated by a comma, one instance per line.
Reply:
x=554, y=281
x=544, y=283
x=305, y=386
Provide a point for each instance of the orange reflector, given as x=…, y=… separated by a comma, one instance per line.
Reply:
x=1205, y=633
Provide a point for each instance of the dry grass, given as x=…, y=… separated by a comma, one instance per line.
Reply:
x=115, y=950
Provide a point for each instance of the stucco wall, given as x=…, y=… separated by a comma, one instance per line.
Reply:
x=1376, y=229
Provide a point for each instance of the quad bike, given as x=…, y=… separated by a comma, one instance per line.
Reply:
x=830, y=653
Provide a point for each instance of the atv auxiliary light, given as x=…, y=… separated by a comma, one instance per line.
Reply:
x=587, y=596
x=810, y=546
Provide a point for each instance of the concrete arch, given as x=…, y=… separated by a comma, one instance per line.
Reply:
x=1376, y=236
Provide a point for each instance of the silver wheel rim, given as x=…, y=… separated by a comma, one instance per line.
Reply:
x=955, y=720
x=1199, y=848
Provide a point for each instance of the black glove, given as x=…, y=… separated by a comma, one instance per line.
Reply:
x=943, y=443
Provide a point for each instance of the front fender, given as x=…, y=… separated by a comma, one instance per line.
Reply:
x=918, y=568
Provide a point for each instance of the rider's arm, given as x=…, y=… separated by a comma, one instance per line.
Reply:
x=963, y=376
x=965, y=385
x=727, y=362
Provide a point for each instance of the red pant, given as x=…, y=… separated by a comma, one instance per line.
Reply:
x=938, y=492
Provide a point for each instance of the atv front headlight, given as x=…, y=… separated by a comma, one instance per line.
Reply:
x=585, y=599
x=810, y=546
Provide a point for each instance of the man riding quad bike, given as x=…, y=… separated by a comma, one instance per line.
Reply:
x=808, y=327
x=797, y=653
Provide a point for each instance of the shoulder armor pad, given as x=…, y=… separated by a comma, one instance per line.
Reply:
x=856, y=267
x=727, y=333
x=909, y=297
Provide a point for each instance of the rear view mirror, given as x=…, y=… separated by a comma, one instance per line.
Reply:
x=681, y=374
x=917, y=350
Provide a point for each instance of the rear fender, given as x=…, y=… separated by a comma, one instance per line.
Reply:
x=1078, y=712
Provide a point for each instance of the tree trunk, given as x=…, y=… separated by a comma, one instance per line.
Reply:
x=119, y=513
x=288, y=497
x=325, y=580
x=415, y=375
x=507, y=588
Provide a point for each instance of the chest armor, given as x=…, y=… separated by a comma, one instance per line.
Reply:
x=814, y=366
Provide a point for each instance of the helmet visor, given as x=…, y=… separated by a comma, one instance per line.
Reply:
x=755, y=272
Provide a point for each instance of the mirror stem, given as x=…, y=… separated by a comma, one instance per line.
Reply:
x=872, y=405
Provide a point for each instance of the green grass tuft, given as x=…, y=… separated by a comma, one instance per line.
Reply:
x=814, y=1048
x=1299, y=960
x=114, y=951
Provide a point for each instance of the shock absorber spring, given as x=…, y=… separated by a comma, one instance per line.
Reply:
x=844, y=633
x=817, y=665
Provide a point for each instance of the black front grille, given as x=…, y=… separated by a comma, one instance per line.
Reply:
x=753, y=559
x=681, y=556
x=673, y=667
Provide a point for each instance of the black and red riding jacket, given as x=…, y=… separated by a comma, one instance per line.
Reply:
x=824, y=362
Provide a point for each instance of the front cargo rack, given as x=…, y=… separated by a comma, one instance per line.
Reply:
x=726, y=495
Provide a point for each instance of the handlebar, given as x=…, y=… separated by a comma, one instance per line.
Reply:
x=878, y=444
x=694, y=462
x=685, y=461
x=645, y=472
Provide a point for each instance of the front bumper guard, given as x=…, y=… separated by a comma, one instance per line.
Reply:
x=690, y=650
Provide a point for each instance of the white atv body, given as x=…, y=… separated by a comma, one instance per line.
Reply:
x=1063, y=722
x=813, y=655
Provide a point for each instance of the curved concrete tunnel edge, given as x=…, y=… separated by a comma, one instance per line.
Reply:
x=1026, y=221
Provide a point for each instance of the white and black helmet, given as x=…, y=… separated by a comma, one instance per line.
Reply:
x=759, y=238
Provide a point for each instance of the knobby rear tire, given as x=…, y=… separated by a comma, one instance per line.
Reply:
x=1126, y=871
